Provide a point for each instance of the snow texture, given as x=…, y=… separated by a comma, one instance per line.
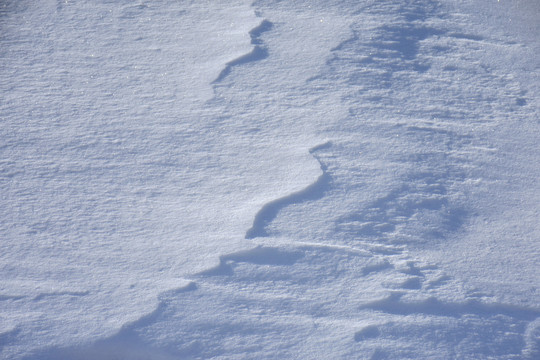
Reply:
x=269, y=180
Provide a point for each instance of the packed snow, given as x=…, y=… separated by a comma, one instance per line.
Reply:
x=269, y=179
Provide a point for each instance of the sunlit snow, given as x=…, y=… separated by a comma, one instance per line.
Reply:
x=269, y=179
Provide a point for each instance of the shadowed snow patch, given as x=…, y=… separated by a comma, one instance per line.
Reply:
x=432, y=306
x=260, y=255
x=368, y=332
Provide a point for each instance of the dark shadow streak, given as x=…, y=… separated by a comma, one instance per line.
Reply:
x=432, y=306
x=261, y=255
x=270, y=210
x=258, y=53
x=126, y=344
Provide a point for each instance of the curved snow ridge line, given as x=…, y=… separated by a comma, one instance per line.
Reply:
x=258, y=52
x=260, y=255
x=270, y=210
x=125, y=344
x=393, y=304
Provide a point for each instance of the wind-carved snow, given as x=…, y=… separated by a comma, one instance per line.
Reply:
x=270, y=210
x=374, y=240
x=107, y=164
x=350, y=264
x=259, y=52
x=121, y=178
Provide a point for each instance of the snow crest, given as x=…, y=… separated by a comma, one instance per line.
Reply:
x=270, y=210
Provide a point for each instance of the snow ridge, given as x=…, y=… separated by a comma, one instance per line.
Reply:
x=343, y=276
x=270, y=210
x=259, y=52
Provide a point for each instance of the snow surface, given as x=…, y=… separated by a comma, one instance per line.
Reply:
x=278, y=179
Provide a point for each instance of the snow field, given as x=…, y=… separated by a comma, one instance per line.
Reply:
x=268, y=180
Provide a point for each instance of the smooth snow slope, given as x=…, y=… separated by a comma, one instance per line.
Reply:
x=348, y=179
